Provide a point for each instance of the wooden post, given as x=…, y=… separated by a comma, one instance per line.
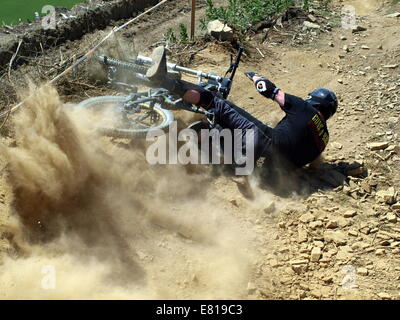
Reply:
x=193, y=20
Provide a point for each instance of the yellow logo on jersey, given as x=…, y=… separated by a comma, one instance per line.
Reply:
x=323, y=135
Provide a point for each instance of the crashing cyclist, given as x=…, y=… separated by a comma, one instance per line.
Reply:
x=298, y=139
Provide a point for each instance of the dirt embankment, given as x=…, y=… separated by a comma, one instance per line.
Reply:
x=84, y=19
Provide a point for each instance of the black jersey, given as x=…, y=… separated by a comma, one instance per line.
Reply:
x=302, y=135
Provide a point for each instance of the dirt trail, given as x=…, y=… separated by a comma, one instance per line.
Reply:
x=111, y=226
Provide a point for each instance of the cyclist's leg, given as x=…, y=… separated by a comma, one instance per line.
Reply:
x=230, y=116
x=190, y=92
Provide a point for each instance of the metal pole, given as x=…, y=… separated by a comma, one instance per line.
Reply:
x=193, y=20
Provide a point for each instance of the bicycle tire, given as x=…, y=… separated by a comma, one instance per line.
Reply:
x=166, y=115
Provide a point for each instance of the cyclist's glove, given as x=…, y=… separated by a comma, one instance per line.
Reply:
x=266, y=88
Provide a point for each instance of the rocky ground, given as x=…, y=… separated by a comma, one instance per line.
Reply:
x=333, y=234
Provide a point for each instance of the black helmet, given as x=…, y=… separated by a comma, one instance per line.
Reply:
x=325, y=101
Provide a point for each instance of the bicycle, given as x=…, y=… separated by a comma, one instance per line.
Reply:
x=139, y=112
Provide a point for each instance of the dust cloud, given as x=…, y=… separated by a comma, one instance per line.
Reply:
x=107, y=223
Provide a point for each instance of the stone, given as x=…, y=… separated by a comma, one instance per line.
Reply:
x=299, y=266
x=357, y=28
x=311, y=25
x=307, y=217
x=364, y=47
x=390, y=66
x=251, y=288
x=219, y=30
x=346, y=48
x=270, y=208
x=350, y=213
x=391, y=217
x=393, y=15
x=338, y=237
x=298, y=261
x=337, y=145
x=353, y=233
x=362, y=271
x=384, y=296
x=332, y=224
x=393, y=120
x=380, y=252
x=316, y=293
x=315, y=224
x=343, y=222
x=377, y=145
x=365, y=230
x=302, y=235
x=343, y=38
x=315, y=254
x=387, y=196
x=319, y=244
x=396, y=206
x=344, y=253
x=311, y=18
x=366, y=186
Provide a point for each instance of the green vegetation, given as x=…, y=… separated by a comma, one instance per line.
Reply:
x=242, y=14
x=14, y=11
x=170, y=36
x=183, y=35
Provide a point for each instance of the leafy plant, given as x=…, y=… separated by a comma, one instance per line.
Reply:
x=183, y=35
x=170, y=36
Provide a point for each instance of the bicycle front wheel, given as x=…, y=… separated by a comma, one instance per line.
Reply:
x=112, y=120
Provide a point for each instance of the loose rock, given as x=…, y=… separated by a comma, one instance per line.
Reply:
x=315, y=254
x=387, y=196
x=338, y=237
x=219, y=30
x=391, y=217
x=332, y=224
x=307, y=217
x=356, y=29
x=377, y=145
x=362, y=271
x=349, y=213
x=393, y=15
x=384, y=296
x=310, y=25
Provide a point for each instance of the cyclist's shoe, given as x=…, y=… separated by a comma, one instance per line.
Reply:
x=158, y=71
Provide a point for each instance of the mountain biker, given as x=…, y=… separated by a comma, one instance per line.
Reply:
x=298, y=139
